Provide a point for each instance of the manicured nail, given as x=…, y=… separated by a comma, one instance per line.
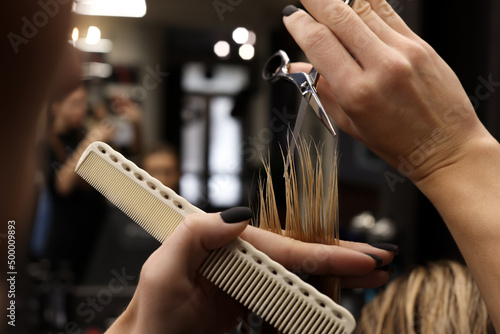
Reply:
x=289, y=10
x=387, y=247
x=387, y=268
x=377, y=258
x=236, y=215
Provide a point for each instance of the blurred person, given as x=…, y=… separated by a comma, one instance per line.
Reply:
x=78, y=210
x=162, y=163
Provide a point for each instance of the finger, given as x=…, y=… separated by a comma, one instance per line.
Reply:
x=187, y=247
x=386, y=255
x=348, y=27
x=376, y=24
x=374, y=279
x=385, y=11
x=311, y=258
x=323, y=49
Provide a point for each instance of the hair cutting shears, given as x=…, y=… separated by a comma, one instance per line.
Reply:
x=276, y=68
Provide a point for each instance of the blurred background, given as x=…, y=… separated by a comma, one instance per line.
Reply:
x=180, y=81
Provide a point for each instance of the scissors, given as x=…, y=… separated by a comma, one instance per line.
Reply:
x=276, y=68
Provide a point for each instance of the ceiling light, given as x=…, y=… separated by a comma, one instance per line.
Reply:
x=128, y=8
x=222, y=49
x=252, y=38
x=240, y=35
x=246, y=51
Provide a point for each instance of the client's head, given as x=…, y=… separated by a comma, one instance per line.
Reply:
x=439, y=298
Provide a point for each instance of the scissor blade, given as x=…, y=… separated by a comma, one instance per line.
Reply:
x=316, y=105
x=296, y=130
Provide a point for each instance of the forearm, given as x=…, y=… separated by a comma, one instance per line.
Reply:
x=467, y=195
x=66, y=179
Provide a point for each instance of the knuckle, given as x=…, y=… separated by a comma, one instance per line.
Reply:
x=417, y=53
x=396, y=67
x=362, y=8
x=337, y=13
x=360, y=95
x=317, y=38
x=385, y=10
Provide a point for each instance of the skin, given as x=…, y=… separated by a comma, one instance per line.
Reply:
x=69, y=114
x=397, y=84
x=169, y=288
x=164, y=167
x=190, y=304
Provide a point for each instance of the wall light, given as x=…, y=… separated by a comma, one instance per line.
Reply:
x=93, y=35
x=75, y=34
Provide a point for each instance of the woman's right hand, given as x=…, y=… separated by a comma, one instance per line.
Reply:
x=385, y=86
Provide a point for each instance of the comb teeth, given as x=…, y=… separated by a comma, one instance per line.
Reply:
x=156, y=208
x=276, y=295
x=245, y=273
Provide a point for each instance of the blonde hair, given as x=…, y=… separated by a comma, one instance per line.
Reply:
x=439, y=298
x=311, y=204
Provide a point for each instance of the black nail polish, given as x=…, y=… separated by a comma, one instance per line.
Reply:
x=377, y=258
x=236, y=215
x=387, y=268
x=387, y=247
x=289, y=10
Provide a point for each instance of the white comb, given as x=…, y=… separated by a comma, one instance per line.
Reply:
x=250, y=276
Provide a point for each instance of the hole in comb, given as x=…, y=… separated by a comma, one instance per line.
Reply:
x=273, y=271
x=243, y=250
x=288, y=281
x=138, y=176
x=338, y=315
x=127, y=168
x=164, y=195
x=256, y=259
x=178, y=204
x=320, y=303
x=305, y=293
x=115, y=159
x=151, y=185
x=100, y=148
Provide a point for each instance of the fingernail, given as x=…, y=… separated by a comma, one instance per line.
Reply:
x=289, y=10
x=236, y=215
x=387, y=268
x=387, y=247
x=377, y=258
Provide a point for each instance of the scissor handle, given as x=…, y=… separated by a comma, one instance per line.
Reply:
x=276, y=66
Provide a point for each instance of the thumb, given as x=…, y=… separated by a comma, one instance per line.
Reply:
x=200, y=233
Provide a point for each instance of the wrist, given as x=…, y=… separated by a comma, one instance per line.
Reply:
x=470, y=166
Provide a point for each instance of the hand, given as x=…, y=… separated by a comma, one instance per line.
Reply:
x=103, y=131
x=173, y=298
x=385, y=86
x=128, y=109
